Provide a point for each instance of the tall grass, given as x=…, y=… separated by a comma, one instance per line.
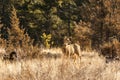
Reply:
x=91, y=67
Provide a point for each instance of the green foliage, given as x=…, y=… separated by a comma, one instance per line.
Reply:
x=2, y=40
x=47, y=40
x=17, y=38
x=57, y=17
x=54, y=17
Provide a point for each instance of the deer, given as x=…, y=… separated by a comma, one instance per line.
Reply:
x=71, y=50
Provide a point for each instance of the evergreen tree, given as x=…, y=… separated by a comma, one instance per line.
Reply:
x=5, y=10
x=15, y=33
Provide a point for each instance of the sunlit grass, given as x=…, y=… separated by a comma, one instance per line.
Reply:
x=91, y=67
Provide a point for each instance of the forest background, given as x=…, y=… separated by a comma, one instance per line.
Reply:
x=47, y=22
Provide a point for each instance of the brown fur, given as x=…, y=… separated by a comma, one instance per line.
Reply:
x=72, y=49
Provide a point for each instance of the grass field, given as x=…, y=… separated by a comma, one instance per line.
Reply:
x=90, y=67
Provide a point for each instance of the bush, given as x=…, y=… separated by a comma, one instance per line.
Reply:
x=116, y=47
x=111, y=49
x=107, y=50
x=46, y=39
x=83, y=33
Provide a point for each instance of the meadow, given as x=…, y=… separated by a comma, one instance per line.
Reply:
x=45, y=39
x=55, y=66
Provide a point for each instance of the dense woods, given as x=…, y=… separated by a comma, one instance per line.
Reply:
x=47, y=22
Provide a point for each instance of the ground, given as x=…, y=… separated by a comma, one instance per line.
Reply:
x=90, y=67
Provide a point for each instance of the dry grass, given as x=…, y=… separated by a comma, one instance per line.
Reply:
x=91, y=67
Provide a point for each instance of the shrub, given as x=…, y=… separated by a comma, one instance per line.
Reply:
x=83, y=33
x=107, y=50
x=111, y=49
x=116, y=47
x=46, y=39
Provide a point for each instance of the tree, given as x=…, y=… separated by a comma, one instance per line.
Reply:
x=15, y=34
x=5, y=10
